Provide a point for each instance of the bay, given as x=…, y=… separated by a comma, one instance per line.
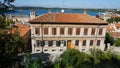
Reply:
x=43, y=11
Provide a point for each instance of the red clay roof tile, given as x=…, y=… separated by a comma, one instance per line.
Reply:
x=22, y=29
x=117, y=24
x=67, y=18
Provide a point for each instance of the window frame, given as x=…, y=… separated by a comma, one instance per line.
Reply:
x=98, y=42
x=46, y=32
x=76, y=42
x=85, y=31
x=100, y=31
x=93, y=31
x=77, y=31
x=91, y=42
x=70, y=30
x=84, y=43
x=37, y=30
x=54, y=31
x=62, y=30
x=38, y=43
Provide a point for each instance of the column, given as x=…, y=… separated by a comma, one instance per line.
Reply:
x=33, y=47
x=87, y=44
x=58, y=30
x=104, y=32
x=80, y=45
x=74, y=31
x=66, y=31
x=89, y=31
x=82, y=32
x=50, y=31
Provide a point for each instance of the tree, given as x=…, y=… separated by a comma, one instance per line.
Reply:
x=108, y=39
x=72, y=58
x=115, y=19
x=110, y=20
x=9, y=44
x=33, y=63
x=95, y=59
x=117, y=42
x=7, y=4
x=5, y=23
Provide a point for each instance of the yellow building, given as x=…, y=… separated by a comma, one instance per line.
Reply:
x=56, y=32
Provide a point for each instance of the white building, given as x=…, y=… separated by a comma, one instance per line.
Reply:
x=54, y=33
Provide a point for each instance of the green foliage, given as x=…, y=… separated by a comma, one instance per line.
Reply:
x=117, y=42
x=96, y=59
x=9, y=44
x=72, y=58
x=111, y=20
x=33, y=63
x=7, y=4
x=109, y=39
x=5, y=23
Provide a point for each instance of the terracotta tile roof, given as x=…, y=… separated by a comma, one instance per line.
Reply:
x=22, y=29
x=115, y=34
x=67, y=18
x=110, y=28
x=117, y=24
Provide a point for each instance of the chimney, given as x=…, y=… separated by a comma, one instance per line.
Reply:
x=62, y=11
x=84, y=11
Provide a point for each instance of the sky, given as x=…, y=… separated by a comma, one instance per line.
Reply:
x=70, y=3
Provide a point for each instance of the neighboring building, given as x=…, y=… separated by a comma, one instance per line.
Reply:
x=53, y=33
x=22, y=18
x=114, y=30
x=107, y=15
x=24, y=32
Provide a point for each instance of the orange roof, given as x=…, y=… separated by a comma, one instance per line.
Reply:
x=110, y=28
x=117, y=24
x=22, y=29
x=115, y=34
x=67, y=18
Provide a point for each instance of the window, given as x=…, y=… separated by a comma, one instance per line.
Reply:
x=62, y=43
x=70, y=31
x=46, y=43
x=98, y=42
x=85, y=31
x=61, y=49
x=93, y=31
x=53, y=31
x=100, y=31
x=37, y=31
x=57, y=43
x=54, y=43
x=38, y=50
x=46, y=50
x=62, y=31
x=77, y=31
x=38, y=42
x=91, y=42
x=45, y=31
x=54, y=50
x=84, y=43
x=50, y=43
x=76, y=42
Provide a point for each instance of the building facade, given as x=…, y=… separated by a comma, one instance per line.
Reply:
x=56, y=32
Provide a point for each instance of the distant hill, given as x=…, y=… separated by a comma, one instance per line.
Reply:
x=58, y=8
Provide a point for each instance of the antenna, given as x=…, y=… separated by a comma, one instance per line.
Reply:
x=62, y=11
x=62, y=3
